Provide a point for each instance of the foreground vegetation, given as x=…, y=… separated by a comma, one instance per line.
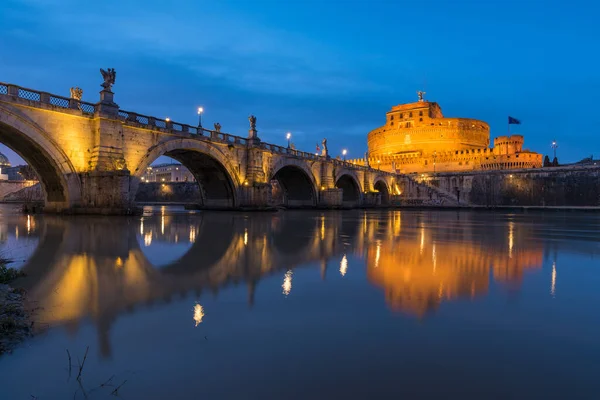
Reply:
x=14, y=321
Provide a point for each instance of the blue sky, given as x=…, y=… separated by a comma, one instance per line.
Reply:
x=321, y=68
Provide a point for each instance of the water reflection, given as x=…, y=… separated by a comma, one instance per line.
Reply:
x=198, y=314
x=100, y=268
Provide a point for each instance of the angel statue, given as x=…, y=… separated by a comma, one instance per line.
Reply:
x=217, y=127
x=324, y=147
x=109, y=78
x=76, y=93
x=252, y=120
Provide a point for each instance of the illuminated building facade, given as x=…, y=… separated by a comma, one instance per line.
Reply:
x=170, y=172
x=417, y=138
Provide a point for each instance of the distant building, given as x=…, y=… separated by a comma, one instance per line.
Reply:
x=4, y=163
x=417, y=138
x=170, y=172
x=20, y=173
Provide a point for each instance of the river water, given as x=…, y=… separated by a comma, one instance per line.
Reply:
x=307, y=305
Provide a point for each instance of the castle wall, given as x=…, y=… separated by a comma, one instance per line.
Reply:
x=572, y=186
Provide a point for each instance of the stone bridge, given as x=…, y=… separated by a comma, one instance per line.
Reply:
x=90, y=158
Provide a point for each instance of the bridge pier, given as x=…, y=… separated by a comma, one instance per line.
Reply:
x=256, y=195
x=331, y=198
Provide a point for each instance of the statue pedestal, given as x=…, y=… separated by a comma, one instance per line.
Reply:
x=107, y=106
x=253, y=138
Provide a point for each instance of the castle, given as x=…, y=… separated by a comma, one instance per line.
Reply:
x=417, y=138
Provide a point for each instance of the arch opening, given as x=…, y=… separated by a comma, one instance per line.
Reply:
x=350, y=190
x=293, y=188
x=384, y=192
x=191, y=176
x=48, y=172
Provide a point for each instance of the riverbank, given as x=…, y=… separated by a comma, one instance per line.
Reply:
x=15, y=325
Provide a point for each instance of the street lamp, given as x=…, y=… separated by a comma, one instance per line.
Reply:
x=344, y=152
x=200, y=111
x=554, y=146
x=288, y=137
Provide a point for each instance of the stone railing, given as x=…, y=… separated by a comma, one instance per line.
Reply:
x=145, y=121
x=132, y=118
x=46, y=98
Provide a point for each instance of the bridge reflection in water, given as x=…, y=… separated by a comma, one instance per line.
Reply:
x=101, y=268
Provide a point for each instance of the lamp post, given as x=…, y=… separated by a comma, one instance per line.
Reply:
x=200, y=111
x=344, y=152
x=554, y=146
x=288, y=137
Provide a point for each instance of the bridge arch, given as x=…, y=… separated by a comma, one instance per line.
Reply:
x=351, y=189
x=382, y=187
x=218, y=179
x=58, y=178
x=297, y=182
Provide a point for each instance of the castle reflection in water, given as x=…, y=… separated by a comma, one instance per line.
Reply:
x=102, y=268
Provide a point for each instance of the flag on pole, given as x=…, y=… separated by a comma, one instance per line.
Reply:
x=514, y=121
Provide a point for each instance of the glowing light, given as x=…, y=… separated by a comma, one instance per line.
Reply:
x=246, y=183
x=422, y=240
x=287, y=282
x=553, y=285
x=344, y=152
x=17, y=233
x=167, y=119
x=322, y=187
x=434, y=258
x=198, y=314
x=192, y=234
x=344, y=266
x=378, y=253
x=245, y=236
x=148, y=239
x=200, y=110
x=322, y=227
x=288, y=136
x=119, y=262
x=28, y=224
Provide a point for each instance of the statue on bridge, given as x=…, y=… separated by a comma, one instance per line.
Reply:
x=252, y=120
x=324, y=152
x=76, y=93
x=367, y=158
x=109, y=78
x=217, y=127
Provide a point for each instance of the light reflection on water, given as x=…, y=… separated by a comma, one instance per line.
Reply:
x=444, y=302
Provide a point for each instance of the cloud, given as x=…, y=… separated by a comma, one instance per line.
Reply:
x=233, y=49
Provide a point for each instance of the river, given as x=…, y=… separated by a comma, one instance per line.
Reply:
x=307, y=304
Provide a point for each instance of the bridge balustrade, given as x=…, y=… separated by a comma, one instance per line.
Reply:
x=129, y=117
x=46, y=98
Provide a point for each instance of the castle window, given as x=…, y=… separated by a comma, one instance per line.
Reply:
x=401, y=115
x=421, y=119
x=410, y=114
x=392, y=117
x=420, y=113
x=392, y=123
